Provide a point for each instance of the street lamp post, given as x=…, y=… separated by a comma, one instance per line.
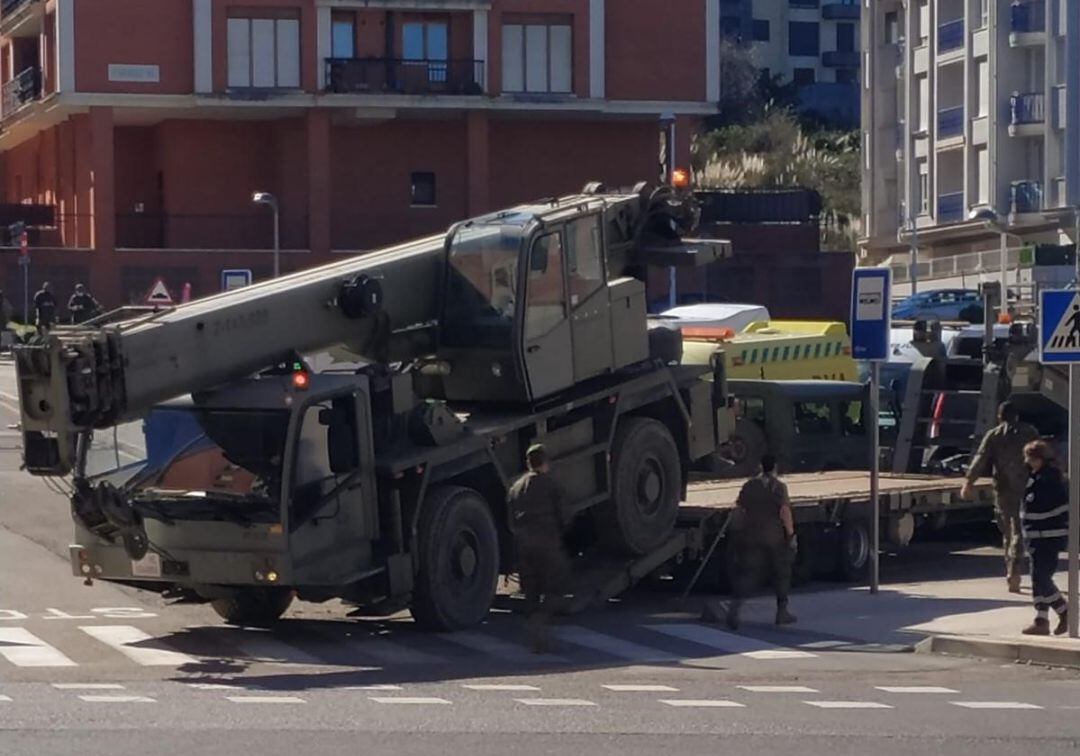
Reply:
x=992, y=221
x=265, y=198
x=913, y=246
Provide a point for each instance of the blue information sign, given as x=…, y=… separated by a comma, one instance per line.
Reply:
x=871, y=313
x=236, y=278
x=1059, y=326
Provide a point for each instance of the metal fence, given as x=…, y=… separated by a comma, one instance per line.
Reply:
x=1028, y=16
x=1027, y=196
x=24, y=88
x=956, y=266
x=1029, y=107
x=399, y=76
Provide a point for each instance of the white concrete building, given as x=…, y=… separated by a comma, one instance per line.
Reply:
x=965, y=110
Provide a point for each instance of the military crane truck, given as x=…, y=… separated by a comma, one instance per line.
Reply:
x=385, y=487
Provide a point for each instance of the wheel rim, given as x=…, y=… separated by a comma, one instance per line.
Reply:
x=650, y=486
x=857, y=547
x=738, y=448
x=464, y=559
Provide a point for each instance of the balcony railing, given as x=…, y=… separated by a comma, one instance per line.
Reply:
x=950, y=207
x=1027, y=16
x=21, y=90
x=950, y=36
x=7, y=7
x=398, y=76
x=950, y=122
x=1027, y=197
x=1027, y=108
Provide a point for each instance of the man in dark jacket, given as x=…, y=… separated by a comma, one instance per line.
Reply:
x=537, y=512
x=1045, y=520
x=1001, y=454
x=45, y=307
x=82, y=305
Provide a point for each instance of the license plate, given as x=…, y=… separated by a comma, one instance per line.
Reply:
x=148, y=566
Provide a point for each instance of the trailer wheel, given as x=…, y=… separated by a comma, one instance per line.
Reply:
x=458, y=547
x=855, y=545
x=254, y=606
x=646, y=484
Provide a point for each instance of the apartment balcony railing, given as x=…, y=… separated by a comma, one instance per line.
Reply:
x=398, y=76
x=840, y=10
x=7, y=7
x=1027, y=197
x=1027, y=16
x=950, y=207
x=840, y=59
x=950, y=122
x=951, y=36
x=1027, y=108
x=23, y=89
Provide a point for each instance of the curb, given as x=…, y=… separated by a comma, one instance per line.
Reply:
x=1029, y=653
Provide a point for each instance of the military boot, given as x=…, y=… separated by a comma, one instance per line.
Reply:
x=1039, y=627
x=1013, y=579
x=783, y=616
x=1063, y=624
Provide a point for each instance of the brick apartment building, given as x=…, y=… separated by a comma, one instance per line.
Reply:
x=139, y=129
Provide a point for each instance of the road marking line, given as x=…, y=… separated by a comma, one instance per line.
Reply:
x=88, y=686
x=5, y=699
x=703, y=703
x=24, y=649
x=372, y=687
x=417, y=700
x=915, y=689
x=824, y=644
x=136, y=645
x=554, y=702
x=641, y=688
x=496, y=686
x=117, y=699
x=388, y=652
x=266, y=699
x=778, y=689
x=624, y=649
x=492, y=646
x=994, y=705
x=212, y=686
x=848, y=704
x=730, y=643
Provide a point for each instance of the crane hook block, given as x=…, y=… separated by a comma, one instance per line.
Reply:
x=360, y=297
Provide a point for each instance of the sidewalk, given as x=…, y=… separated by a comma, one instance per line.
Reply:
x=969, y=617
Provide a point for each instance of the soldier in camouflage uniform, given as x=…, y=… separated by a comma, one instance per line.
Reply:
x=1001, y=454
x=537, y=511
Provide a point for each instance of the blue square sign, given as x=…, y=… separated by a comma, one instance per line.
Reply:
x=871, y=313
x=1059, y=326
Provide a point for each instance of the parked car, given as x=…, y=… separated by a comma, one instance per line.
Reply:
x=943, y=304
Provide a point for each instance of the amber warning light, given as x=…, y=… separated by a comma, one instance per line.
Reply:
x=680, y=178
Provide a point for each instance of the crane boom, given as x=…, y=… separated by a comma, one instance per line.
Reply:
x=383, y=305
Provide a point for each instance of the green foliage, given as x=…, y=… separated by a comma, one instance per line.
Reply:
x=776, y=151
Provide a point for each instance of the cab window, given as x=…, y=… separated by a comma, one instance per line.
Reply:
x=545, y=305
x=752, y=408
x=812, y=418
x=584, y=258
x=325, y=453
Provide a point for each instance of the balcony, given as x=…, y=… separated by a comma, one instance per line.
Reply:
x=950, y=207
x=404, y=77
x=840, y=10
x=950, y=122
x=1027, y=22
x=22, y=90
x=840, y=59
x=1027, y=114
x=1027, y=197
x=17, y=17
x=950, y=36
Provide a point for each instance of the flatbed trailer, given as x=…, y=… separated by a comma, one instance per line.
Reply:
x=832, y=513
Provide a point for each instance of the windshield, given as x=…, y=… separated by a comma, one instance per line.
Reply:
x=481, y=296
x=212, y=454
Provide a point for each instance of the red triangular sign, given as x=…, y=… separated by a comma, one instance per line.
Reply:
x=159, y=293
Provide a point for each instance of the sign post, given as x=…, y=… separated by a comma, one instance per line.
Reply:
x=871, y=322
x=1059, y=343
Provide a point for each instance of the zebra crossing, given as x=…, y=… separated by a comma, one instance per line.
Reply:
x=375, y=647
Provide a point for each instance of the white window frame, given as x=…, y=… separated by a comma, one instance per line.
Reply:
x=922, y=186
x=516, y=52
x=243, y=46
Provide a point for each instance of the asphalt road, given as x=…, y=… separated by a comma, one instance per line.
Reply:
x=109, y=670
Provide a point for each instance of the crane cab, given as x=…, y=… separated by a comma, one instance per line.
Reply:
x=529, y=306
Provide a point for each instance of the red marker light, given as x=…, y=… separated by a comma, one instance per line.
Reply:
x=301, y=381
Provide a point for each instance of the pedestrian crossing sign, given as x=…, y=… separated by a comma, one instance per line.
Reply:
x=1059, y=326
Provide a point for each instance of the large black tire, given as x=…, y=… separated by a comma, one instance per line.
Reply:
x=458, y=547
x=254, y=607
x=646, y=485
x=746, y=446
x=854, y=550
